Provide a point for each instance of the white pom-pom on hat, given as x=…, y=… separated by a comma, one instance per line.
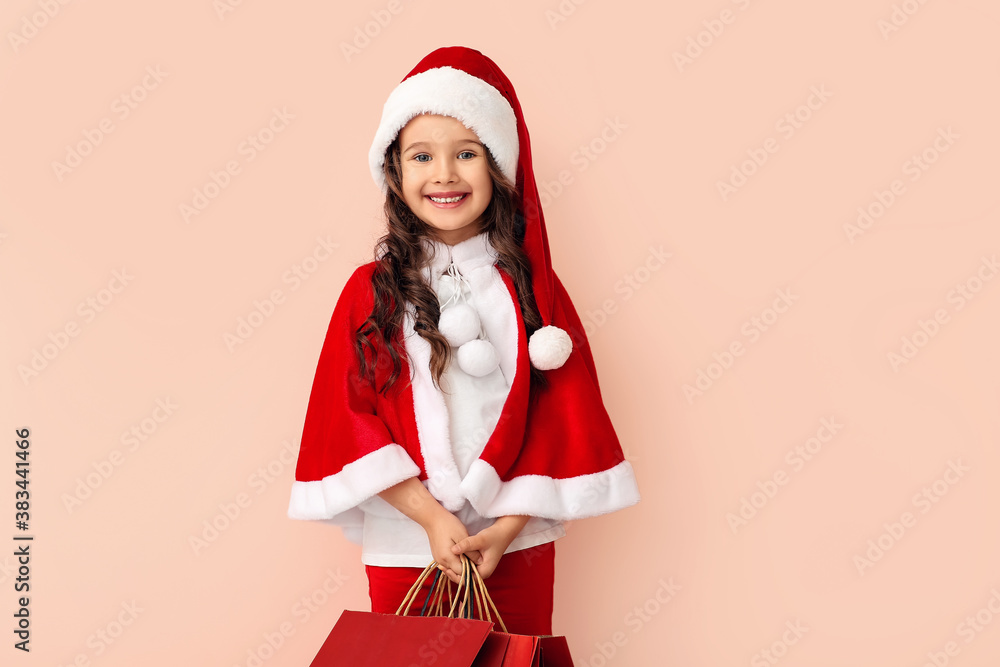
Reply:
x=549, y=348
x=459, y=324
x=478, y=358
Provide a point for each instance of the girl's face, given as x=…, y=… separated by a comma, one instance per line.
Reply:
x=446, y=180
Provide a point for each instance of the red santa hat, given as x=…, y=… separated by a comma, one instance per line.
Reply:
x=463, y=83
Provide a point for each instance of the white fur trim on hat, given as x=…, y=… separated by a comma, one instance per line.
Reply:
x=449, y=92
x=549, y=348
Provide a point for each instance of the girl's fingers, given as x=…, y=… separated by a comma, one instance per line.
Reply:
x=471, y=543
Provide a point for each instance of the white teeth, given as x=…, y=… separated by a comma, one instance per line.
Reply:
x=447, y=200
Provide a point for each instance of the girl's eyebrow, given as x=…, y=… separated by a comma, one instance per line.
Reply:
x=458, y=142
x=414, y=145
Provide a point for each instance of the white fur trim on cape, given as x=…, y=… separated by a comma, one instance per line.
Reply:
x=431, y=415
x=336, y=496
x=549, y=348
x=560, y=499
x=475, y=259
x=449, y=92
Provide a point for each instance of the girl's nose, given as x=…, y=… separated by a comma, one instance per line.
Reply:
x=445, y=172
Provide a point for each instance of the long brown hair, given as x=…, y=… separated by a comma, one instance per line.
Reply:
x=397, y=278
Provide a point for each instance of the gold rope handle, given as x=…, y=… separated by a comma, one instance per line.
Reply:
x=487, y=601
x=411, y=594
x=442, y=586
x=471, y=586
x=474, y=587
x=462, y=593
x=435, y=596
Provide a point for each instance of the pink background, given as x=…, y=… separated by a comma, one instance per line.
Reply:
x=674, y=580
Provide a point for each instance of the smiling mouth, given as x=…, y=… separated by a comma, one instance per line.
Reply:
x=448, y=200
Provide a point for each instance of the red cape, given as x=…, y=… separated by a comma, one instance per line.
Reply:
x=556, y=456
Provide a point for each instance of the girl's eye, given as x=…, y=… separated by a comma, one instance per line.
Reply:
x=421, y=155
x=469, y=153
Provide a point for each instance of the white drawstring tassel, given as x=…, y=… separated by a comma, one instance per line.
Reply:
x=462, y=327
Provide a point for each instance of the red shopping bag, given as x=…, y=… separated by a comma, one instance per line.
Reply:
x=503, y=649
x=462, y=637
x=493, y=651
x=506, y=650
x=555, y=652
x=366, y=639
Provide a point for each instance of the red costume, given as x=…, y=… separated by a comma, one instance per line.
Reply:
x=553, y=453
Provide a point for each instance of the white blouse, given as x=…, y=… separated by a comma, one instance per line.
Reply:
x=391, y=539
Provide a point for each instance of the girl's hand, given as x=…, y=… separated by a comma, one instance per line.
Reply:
x=443, y=528
x=445, y=532
x=487, y=546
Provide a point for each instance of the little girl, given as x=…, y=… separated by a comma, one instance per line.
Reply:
x=455, y=407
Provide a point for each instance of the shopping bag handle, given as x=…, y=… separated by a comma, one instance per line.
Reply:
x=471, y=600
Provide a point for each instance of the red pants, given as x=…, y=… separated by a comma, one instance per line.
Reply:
x=521, y=587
